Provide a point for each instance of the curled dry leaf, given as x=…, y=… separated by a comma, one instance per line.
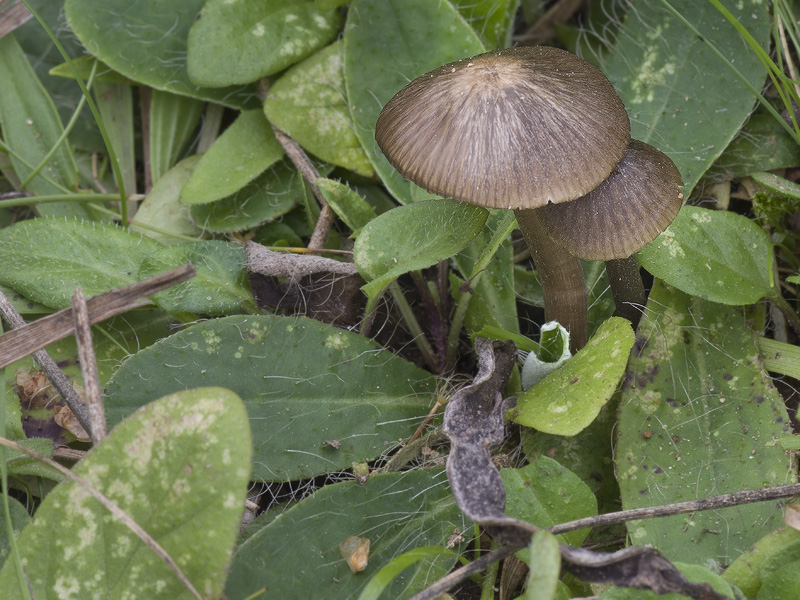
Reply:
x=355, y=550
x=640, y=568
x=474, y=420
x=66, y=419
x=43, y=408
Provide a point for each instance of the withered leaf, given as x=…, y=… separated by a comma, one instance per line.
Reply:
x=474, y=420
x=635, y=567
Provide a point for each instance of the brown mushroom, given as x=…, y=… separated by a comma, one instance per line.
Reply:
x=622, y=215
x=515, y=129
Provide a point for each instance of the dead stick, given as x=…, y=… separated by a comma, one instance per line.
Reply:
x=462, y=573
x=677, y=508
x=91, y=380
x=26, y=339
x=113, y=508
x=56, y=376
x=310, y=174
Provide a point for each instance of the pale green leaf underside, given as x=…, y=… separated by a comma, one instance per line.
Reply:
x=308, y=103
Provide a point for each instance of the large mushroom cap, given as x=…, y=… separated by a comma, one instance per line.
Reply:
x=514, y=128
x=623, y=214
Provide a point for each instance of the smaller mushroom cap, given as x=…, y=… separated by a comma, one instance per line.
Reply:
x=623, y=214
x=514, y=128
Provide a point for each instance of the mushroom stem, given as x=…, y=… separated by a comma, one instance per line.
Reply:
x=561, y=276
x=627, y=288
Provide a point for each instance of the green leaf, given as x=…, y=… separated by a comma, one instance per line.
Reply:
x=588, y=454
x=777, y=184
x=146, y=42
x=680, y=96
x=396, y=511
x=387, y=44
x=240, y=42
x=308, y=104
x=698, y=418
x=414, y=237
x=490, y=259
x=569, y=399
x=220, y=286
x=274, y=193
x=115, y=104
x=180, y=469
x=545, y=567
x=19, y=518
x=783, y=584
x=719, y=256
x=173, y=119
x=383, y=578
x=84, y=66
x=491, y=19
x=161, y=208
x=243, y=152
x=761, y=144
x=544, y=494
x=303, y=383
x=348, y=204
x=767, y=555
x=46, y=258
x=31, y=125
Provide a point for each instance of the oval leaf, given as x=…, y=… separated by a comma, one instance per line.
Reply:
x=44, y=259
x=719, y=256
x=308, y=104
x=242, y=41
x=245, y=150
x=544, y=494
x=180, y=469
x=698, y=418
x=274, y=193
x=668, y=79
x=414, y=237
x=146, y=42
x=220, y=286
x=568, y=400
x=303, y=382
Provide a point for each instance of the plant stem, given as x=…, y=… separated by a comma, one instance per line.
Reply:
x=627, y=288
x=413, y=326
x=561, y=275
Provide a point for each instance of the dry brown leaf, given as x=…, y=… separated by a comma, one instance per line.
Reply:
x=355, y=550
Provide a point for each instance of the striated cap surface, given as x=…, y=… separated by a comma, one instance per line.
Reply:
x=514, y=128
x=623, y=214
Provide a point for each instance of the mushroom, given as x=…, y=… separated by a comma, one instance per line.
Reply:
x=622, y=215
x=515, y=129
